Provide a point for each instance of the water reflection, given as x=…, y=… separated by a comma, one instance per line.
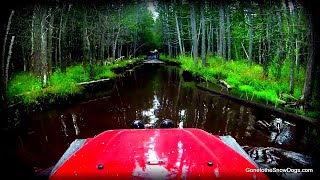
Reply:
x=152, y=94
x=151, y=114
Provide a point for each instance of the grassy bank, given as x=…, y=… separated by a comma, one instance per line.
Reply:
x=27, y=88
x=250, y=81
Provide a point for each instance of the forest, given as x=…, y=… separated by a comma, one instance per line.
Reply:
x=266, y=50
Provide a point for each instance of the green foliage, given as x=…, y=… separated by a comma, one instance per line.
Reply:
x=78, y=74
x=24, y=82
x=24, y=87
x=124, y=63
x=103, y=72
x=313, y=114
x=27, y=88
x=246, y=78
x=62, y=85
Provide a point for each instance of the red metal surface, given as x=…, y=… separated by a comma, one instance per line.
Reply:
x=156, y=154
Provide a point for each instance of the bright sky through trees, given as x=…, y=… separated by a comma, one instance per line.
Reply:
x=152, y=8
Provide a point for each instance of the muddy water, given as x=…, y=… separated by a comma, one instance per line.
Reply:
x=152, y=93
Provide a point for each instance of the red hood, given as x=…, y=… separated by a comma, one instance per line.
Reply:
x=156, y=154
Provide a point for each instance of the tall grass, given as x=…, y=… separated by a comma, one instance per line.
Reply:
x=78, y=74
x=248, y=79
x=22, y=83
x=28, y=89
x=62, y=84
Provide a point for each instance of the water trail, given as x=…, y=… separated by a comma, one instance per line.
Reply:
x=64, y=127
x=182, y=115
x=151, y=113
x=75, y=125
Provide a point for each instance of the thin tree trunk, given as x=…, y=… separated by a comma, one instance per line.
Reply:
x=32, y=36
x=306, y=92
x=297, y=50
x=222, y=33
x=229, y=33
x=25, y=63
x=59, y=39
x=8, y=61
x=50, y=32
x=194, y=34
x=280, y=44
x=114, y=47
x=203, y=36
x=218, y=53
x=260, y=61
x=44, y=55
x=178, y=33
x=5, y=42
x=102, y=46
x=297, y=53
x=250, y=35
x=292, y=57
x=264, y=44
x=56, y=54
x=181, y=32
x=209, y=38
x=86, y=41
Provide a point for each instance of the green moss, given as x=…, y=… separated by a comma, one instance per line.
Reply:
x=189, y=84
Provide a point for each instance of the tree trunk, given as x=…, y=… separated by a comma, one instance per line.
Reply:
x=8, y=61
x=59, y=39
x=229, y=33
x=209, y=38
x=309, y=79
x=102, y=46
x=86, y=41
x=65, y=53
x=250, y=35
x=280, y=44
x=36, y=56
x=44, y=54
x=222, y=45
x=5, y=43
x=260, y=58
x=178, y=33
x=25, y=63
x=218, y=53
x=297, y=49
x=203, y=36
x=194, y=34
x=50, y=32
x=114, y=46
x=181, y=32
x=264, y=44
x=292, y=56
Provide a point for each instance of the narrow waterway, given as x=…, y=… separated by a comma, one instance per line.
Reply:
x=152, y=93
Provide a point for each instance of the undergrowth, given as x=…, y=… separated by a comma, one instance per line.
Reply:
x=27, y=88
x=249, y=80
